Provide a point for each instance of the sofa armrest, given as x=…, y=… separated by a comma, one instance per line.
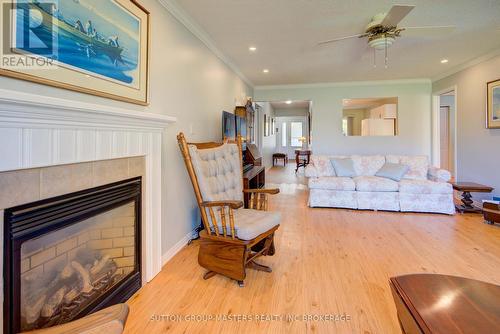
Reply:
x=311, y=171
x=438, y=175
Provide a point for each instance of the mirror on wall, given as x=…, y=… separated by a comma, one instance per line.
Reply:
x=370, y=117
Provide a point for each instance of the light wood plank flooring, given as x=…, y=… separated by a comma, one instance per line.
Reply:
x=328, y=261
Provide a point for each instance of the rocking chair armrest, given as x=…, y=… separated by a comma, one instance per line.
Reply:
x=273, y=191
x=232, y=204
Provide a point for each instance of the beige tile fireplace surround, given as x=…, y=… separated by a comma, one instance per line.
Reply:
x=51, y=147
x=30, y=185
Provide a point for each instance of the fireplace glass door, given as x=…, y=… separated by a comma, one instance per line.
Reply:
x=72, y=254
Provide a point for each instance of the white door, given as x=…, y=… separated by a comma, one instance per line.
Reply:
x=290, y=130
x=444, y=123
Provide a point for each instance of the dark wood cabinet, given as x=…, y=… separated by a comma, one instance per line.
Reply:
x=255, y=178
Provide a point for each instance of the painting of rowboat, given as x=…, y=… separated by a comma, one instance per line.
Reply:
x=96, y=46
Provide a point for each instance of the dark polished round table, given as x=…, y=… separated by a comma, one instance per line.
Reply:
x=430, y=303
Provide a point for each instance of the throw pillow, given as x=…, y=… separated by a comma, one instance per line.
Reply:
x=343, y=167
x=393, y=171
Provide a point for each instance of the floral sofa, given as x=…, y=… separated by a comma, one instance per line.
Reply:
x=422, y=189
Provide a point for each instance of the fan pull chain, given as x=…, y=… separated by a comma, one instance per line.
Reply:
x=374, y=58
x=386, y=58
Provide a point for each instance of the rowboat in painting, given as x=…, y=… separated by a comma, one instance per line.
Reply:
x=92, y=44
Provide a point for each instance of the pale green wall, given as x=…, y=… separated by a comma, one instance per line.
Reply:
x=291, y=112
x=414, y=112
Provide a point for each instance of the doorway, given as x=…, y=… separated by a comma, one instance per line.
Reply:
x=444, y=147
x=291, y=132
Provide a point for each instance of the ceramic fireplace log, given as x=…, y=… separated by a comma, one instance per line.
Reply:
x=84, y=276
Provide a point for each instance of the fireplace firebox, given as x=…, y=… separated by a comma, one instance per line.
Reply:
x=71, y=255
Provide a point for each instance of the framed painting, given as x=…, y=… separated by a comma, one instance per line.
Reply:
x=267, y=127
x=493, y=105
x=98, y=47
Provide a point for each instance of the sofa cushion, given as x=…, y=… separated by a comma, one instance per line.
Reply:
x=323, y=165
x=367, y=165
x=418, y=164
x=375, y=183
x=392, y=171
x=343, y=167
x=424, y=187
x=332, y=183
x=249, y=223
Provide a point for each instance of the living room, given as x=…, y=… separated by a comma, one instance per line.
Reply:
x=115, y=222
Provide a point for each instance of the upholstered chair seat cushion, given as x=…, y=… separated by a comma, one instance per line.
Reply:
x=218, y=171
x=424, y=187
x=375, y=183
x=332, y=183
x=249, y=223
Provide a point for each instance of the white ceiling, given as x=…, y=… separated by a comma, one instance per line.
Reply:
x=293, y=105
x=286, y=33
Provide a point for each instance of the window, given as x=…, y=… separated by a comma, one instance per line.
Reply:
x=283, y=134
x=295, y=134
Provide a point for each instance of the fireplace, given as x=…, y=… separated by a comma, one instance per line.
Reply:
x=71, y=255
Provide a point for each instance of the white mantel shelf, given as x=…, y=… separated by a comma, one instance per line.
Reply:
x=39, y=131
x=47, y=110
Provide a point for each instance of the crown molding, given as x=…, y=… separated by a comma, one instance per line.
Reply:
x=185, y=19
x=346, y=84
x=467, y=64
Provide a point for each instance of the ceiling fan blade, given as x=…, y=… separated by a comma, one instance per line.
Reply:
x=429, y=31
x=396, y=14
x=340, y=39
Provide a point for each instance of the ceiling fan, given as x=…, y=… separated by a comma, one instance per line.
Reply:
x=383, y=30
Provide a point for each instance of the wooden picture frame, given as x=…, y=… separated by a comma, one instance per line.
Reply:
x=105, y=54
x=493, y=105
x=266, y=125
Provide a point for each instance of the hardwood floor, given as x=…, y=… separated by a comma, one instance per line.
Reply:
x=327, y=262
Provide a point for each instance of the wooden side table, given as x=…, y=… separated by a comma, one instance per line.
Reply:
x=466, y=188
x=302, y=162
x=430, y=303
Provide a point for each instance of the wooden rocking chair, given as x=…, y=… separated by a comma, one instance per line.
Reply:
x=233, y=237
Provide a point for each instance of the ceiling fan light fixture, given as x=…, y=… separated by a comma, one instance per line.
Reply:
x=380, y=43
x=444, y=61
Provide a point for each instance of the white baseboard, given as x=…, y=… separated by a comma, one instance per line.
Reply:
x=169, y=254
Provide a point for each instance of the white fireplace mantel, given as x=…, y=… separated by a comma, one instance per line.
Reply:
x=39, y=131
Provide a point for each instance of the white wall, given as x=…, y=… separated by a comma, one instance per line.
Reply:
x=188, y=82
x=269, y=142
x=414, y=115
x=477, y=146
